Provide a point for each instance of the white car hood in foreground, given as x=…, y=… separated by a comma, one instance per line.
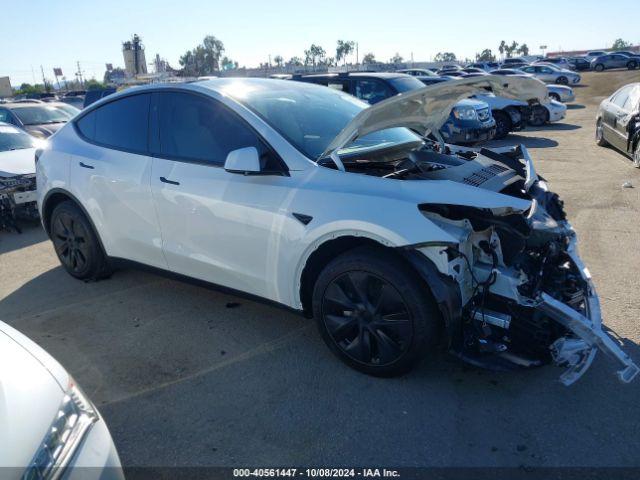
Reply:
x=428, y=108
x=30, y=395
x=17, y=162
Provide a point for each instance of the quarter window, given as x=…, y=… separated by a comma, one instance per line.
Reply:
x=195, y=128
x=122, y=124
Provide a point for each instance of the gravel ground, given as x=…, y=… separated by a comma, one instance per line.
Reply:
x=187, y=376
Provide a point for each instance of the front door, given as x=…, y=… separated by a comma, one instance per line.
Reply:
x=217, y=226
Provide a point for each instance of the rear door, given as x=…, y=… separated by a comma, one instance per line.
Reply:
x=110, y=175
x=217, y=226
x=614, y=116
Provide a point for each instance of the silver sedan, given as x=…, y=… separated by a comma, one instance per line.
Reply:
x=553, y=74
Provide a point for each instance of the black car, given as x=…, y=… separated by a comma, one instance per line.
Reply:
x=370, y=87
x=95, y=95
x=618, y=121
x=579, y=63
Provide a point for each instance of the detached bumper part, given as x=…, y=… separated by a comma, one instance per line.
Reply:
x=580, y=353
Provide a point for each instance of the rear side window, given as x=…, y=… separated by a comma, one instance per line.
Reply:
x=195, y=128
x=122, y=124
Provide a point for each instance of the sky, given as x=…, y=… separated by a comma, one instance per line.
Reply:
x=61, y=33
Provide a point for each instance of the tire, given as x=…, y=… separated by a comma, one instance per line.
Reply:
x=539, y=119
x=600, y=141
x=503, y=124
x=554, y=96
x=350, y=299
x=636, y=155
x=562, y=80
x=599, y=67
x=632, y=65
x=76, y=243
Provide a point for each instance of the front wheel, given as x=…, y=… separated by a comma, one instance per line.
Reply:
x=632, y=65
x=636, y=155
x=503, y=124
x=562, y=80
x=76, y=244
x=374, y=312
x=599, y=67
x=554, y=96
x=539, y=116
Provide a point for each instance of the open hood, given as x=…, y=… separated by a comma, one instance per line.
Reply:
x=428, y=108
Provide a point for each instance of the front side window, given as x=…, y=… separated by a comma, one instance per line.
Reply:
x=194, y=128
x=122, y=124
x=620, y=98
x=310, y=117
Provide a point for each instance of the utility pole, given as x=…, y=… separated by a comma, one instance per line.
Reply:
x=357, y=56
x=44, y=80
x=79, y=75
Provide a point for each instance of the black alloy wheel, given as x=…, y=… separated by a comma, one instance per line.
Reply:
x=562, y=80
x=70, y=242
x=367, y=318
x=76, y=244
x=632, y=65
x=503, y=124
x=374, y=312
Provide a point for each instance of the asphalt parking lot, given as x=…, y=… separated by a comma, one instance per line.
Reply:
x=186, y=376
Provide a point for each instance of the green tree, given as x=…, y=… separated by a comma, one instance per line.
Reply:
x=621, y=44
x=369, y=58
x=204, y=59
x=295, y=62
x=523, y=49
x=485, y=56
x=93, y=84
x=279, y=60
x=227, y=64
x=397, y=58
x=344, y=48
x=445, y=57
x=314, y=55
x=27, y=88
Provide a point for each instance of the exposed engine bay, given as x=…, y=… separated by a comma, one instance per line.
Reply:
x=17, y=201
x=524, y=298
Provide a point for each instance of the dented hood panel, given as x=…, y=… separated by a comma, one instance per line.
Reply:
x=428, y=108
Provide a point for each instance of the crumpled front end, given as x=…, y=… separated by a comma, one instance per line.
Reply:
x=18, y=200
x=525, y=296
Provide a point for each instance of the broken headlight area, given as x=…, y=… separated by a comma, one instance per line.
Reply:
x=18, y=201
x=526, y=298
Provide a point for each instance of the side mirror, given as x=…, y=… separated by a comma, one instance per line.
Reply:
x=243, y=160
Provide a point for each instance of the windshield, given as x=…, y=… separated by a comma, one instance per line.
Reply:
x=41, y=114
x=69, y=109
x=12, y=138
x=311, y=116
x=405, y=84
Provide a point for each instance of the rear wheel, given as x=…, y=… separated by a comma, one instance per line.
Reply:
x=600, y=134
x=374, y=312
x=76, y=244
x=599, y=67
x=562, y=80
x=632, y=65
x=503, y=124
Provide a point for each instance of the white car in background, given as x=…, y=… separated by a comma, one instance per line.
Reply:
x=48, y=427
x=561, y=93
x=307, y=197
x=550, y=73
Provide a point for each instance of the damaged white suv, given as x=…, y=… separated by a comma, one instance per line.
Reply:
x=301, y=195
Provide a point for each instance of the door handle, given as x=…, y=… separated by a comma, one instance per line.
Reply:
x=84, y=165
x=170, y=182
